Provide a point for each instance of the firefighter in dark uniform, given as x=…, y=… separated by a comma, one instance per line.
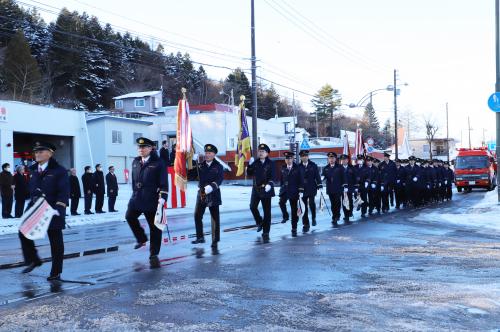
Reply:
x=312, y=182
x=99, y=188
x=111, y=188
x=74, y=192
x=150, y=188
x=349, y=180
x=371, y=180
x=48, y=179
x=441, y=177
x=449, y=178
x=334, y=179
x=428, y=180
x=361, y=184
x=291, y=189
x=262, y=171
x=387, y=169
x=88, y=189
x=377, y=197
x=414, y=182
x=400, y=185
x=210, y=174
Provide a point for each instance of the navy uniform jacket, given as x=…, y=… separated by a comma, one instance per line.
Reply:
x=441, y=175
x=334, y=178
x=21, y=192
x=311, y=178
x=211, y=176
x=349, y=178
x=401, y=176
x=449, y=176
x=291, y=182
x=99, y=182
x=165, y=156
x=361, y=175
x=74, y=187
x=415, y=173
x=263, y=174
x=149, y=181
x=387, y=173
x=54, y=184
x=88, y=183
x=372, y=177
x=111, y=185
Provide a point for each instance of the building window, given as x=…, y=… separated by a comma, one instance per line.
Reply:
x=116, y=137
x=119, y=104
x=136, y=136
x=231, y=143
x=425, y=148
x=140, y=102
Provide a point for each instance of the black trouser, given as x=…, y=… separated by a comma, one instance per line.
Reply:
x=19, y=209
x=56, y=249
x=295, y=217
x=335, y=206
x=391, y=195
x=363, y=194
x=74, y=205
x=199, y=211
x=88, y=202
x=266, y=206
x=282, y=204
x=111, y=203
x=400, y=195
x=309, y=203
x=385, y=197
x=449, y=192
x=132, y=217
x=347, y=212
x=99, y=201
x=7, y=201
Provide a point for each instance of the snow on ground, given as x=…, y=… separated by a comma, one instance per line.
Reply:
x=486, y=213
x=234, y=198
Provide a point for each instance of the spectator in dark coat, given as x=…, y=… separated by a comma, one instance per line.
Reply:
x=7, y=191
x=172, y=155
x=112, y=188
x=164, y=153
x=74, y=192
x=88, y=188
x=21, y=191
x=99, y=188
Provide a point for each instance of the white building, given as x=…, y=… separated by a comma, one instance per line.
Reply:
x=23, y=124
x=113, y=141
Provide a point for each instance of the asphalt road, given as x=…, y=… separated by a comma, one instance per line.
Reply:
x=395, y=272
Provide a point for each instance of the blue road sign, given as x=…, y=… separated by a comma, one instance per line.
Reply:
x=370, y=149
x=492, y=146
x=494, y=102
x=304, y=145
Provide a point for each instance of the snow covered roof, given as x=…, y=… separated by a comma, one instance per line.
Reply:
x=138, y=94
x=118, y=118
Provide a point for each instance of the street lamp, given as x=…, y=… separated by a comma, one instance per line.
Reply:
x=229, y=97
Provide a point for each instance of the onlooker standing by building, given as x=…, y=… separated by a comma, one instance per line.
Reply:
x=88, y=188
x=164, y=154
x=74, y=192
x=172, y=154
x=99, y=188
x=7, y=191
x=112, y=188
x=21, y=191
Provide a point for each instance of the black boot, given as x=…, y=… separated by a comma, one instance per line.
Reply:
x=314, y=222
x=198, y=240
x=54, y=277
x=139, y=245
x=154, y=262
x=32, y=266
x=259, y=228
x=294, y=232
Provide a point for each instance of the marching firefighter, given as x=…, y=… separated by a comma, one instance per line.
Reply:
x=262, y=171
x=291, y=189
x=449, y=178
x=149, y=189
x=312, y=182
x=371, y=182
x=400, y=185
x=387, y=170
x=349, y=180
x=210, y=175
x=361, y=185
x=50, y=180
x=414, y=182
x=334, y=179
x=377, y=197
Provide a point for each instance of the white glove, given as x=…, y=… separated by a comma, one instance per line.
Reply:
x=355, y=190
x=439, y=184
x=374, y=185
x=346, y=190
x=366, y=184
x=250, y=162
x=398, y=181
x=381, y=188
x=428, y=187
x=267, y=188
x=161, y=201
x=445, y=181
x=301, y=195
x=208, y=189
x=415, y=179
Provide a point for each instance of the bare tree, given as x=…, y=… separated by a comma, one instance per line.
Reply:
x=407, y=120
x=431, y=129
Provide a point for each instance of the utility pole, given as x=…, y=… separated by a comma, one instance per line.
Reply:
x=497, y=84
x=395, y=114
x=254, y=83
x=447, y=137
x=469, y=129
x=317, y=127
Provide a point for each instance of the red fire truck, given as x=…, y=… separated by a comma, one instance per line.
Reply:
x=475, y=168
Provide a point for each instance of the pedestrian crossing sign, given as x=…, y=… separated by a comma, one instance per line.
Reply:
x=304, y=145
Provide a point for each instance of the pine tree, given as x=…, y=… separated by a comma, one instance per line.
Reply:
x=21, y=72
x=326, y=102
x=387, y=137
x=370, y=124
x=238, y=82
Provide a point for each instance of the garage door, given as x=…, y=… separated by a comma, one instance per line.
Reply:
x=119, y=163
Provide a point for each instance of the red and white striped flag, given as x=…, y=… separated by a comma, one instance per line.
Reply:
x=161, y=216
x=358, y=145
x=346, y=146
x=184, y=147
x=36, y=220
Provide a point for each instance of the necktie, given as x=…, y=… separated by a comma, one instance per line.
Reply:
x=40, y=170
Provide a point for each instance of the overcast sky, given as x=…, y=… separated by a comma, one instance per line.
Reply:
x=443, y=49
